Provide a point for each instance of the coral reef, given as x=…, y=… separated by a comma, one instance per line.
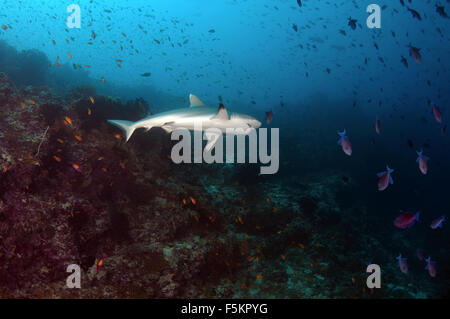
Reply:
x=71, y=192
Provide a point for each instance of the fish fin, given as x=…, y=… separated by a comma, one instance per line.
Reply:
x=391, y=181
x=212, y=140
x=127, y=126
x=339, y=141
x=222, y=113
x=195, y=101
x=418, y=159
x=380, y=174
x=168, y=129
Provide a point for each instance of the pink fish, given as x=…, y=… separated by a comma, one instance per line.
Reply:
x=423, y=162
x=406, y=219
x=420, y=254
x=385, y=178
x=345, y=143
x=269, y=116
x=402, y=264
x=437, y=223
x=415, y=54
x=377, y=126
x=431, y=267
x=437, y=113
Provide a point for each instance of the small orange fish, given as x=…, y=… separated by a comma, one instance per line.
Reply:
x=58, y=64
x=353, y=280
x=32, y=102
x=184, y=201
x=268, y=200
x=89, y=112
x=100, y=158
x=100, y=264
x=118, y=136
x=259, y=276
x=122, y=165
x=78, y=138
x=23, y=105
x=283, y=257
x=301, y=245
x=58, y=159
x=76, y=167
x=92, y=99
x=60, y=140
x=239, y=218
x=193, y=201
x=68, y=120
x=250, y=259
x=70, y=55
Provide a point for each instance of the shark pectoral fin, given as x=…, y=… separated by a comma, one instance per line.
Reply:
x=212, y=140
x=195, y=101
x=168, y=129
x=222, y=113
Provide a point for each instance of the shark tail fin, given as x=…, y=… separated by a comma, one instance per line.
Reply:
x=127, y=126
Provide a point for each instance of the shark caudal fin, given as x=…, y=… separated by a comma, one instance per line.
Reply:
x=127, y=126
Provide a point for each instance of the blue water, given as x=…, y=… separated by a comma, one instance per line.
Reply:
x=322, y=78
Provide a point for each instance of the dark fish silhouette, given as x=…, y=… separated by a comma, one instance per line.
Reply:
x=299, y=2
x=352, y=23
x=410, y=144
x=441, y=11
x=404, y=61
x=402, y=2
x=294, y=26
x=415, y=54
x=415, y=14
x=146, y=74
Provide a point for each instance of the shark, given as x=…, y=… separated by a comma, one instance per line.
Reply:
x=196, y=116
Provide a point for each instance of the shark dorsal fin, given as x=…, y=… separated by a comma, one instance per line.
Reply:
x=222, y=113
x=195, y=101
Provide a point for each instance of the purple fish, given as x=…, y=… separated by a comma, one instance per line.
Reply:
x=422, y=160
x=438, y=222
x=377, y=125
x=420, y=254
x=402, y=264
x=431, y=267
x=345, y=143
x=269, y=116
x=406, y=219
x=385, y=178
